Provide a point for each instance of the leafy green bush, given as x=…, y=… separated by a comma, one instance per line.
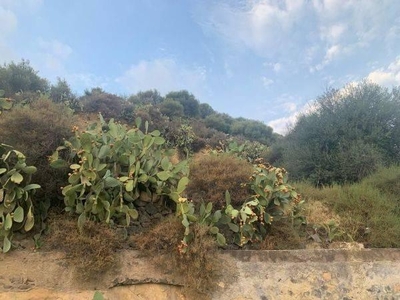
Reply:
x=152, y=115
x=112, y=167
x=346, y=135
x=171, y=108
x=250, y=151
x=263, y=196
x=21, y=77
x=5, y=103
x=273, y=198
x=368, y=211
x=16, y=206
x=98, y=101
x=181, y=137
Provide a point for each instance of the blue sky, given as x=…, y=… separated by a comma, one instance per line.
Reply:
x=259, y=59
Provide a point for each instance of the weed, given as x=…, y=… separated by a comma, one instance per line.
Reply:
x=282, y=235
x=198, y=266
x=91, y=251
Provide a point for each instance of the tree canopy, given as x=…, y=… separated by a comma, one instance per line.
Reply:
x=21, y=77
x=346, y=135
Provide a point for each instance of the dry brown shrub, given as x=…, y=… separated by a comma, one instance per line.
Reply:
x=92, y=251
x=283, y=236
x=198, y=267
x=316, y=212
x=37, y=130
x=211, y=175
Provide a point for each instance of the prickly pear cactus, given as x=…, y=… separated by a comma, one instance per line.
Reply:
x=16, y=208
x=111, y=167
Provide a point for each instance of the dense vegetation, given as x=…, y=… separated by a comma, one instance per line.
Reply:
x=346, y=135
x=154, y=164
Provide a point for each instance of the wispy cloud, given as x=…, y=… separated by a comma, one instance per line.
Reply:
x=53, y=55
x=164, y=75
x=9, y=23
x=317, y=31
x=9, y=15
x=266, y=81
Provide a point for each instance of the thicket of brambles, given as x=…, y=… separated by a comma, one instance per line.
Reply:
x=181, y=178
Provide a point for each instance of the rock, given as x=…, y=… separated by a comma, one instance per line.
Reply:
x=151, y=209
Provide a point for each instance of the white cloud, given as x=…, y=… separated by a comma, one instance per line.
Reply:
x=9, y=11
x=258, y=25
x=331, y=53
x=164, y=75
x=389, y=76
x=282, y=125
x=318, y=32
x=332, y=34
x=25, y=5
x=56, y=48
x=87, y=80
x=54, y=55
x=9, y=22
x=266, y=81
x=290, y=106
x=277, y=67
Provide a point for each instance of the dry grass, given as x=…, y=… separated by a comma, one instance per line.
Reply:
x=92, y=252
x=211, y=175
x=283, y=236
x=198, y=267
x=316, y=212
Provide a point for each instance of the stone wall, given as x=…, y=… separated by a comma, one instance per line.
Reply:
x=265, y=275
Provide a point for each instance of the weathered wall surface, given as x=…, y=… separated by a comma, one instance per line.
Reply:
x=315, y=274
x=295, y=274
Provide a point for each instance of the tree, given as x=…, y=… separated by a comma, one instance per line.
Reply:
x=61, y=91
x=147, y=97
x=98, y=101
x=345, y=136
x=171, y=108
x=205, y=110
x=220, y=122
x=189, y=102
x=253, y=130
x=21, y=77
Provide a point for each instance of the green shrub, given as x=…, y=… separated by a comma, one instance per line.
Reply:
x=181, y=137
x=272, y=199
x=113, y=167
x=98, y=101
x=387, y=180
x=368, y=212
x=346, y=135
x=263, y=196
x=152, y=115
